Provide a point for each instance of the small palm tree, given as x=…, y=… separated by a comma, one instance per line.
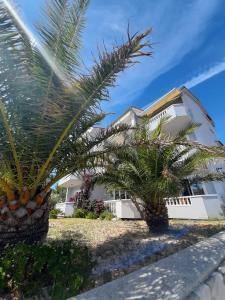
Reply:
x=157, y=168
x=46, y=106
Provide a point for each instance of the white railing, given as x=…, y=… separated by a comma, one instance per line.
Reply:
x=173, y=111
x=184, y=200
x=123, y=208
x=159, y=116
x=195, y=207
x=185, y=207
x=111, y=205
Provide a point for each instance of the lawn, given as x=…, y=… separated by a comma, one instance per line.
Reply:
x=120, y=247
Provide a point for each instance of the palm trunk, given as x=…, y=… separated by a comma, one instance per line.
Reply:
x=138, y=206
x=156, y=216
x=24, y=224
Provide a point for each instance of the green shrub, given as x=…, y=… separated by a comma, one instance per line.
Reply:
x=106, y=215
x=60, y=265
x=53, y=214
x=98, y=206
x=91, y=215
x=80, y=213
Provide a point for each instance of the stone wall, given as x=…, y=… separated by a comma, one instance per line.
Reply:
x=213, y=288
x=194, y=273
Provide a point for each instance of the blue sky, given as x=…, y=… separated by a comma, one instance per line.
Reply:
x=188, y=44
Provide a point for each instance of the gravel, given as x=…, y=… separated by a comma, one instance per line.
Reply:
x=120, y=247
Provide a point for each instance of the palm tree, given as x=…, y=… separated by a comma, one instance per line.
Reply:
x=156, y=168
x=46, y=105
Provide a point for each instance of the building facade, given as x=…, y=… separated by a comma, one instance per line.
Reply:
x=200, y=201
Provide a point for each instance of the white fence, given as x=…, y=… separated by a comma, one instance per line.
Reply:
x=67, y=208
x=124, y=209
x=189, y=207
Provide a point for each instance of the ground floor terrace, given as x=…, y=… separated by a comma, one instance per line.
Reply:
x=200, y=207
x=205, y=201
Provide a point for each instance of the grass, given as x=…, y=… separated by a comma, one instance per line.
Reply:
x=96, y=232
x=93, y=232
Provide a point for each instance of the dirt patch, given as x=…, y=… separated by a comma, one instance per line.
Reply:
x=120, y=247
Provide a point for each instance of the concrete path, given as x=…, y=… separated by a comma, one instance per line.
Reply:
x=174, y=277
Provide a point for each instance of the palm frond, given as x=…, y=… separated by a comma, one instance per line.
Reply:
x=208, y=177
x=61, y=36
x=93, y=88
x=156, y=167
x=10, y=137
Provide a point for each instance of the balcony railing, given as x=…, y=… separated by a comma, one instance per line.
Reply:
x=173, y=111
x=185, y=207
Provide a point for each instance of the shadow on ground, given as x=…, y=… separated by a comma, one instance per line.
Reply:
x=128, y=252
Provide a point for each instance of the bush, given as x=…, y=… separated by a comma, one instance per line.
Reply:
x=98, y=206
x=106, y=215
x=60, y=265
x=91, y=215
x=53, y=214
x=80, y=213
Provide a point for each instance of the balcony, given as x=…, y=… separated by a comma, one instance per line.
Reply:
x=178, y=117
x=196, y=207
x=188, y=207
x=70, y=181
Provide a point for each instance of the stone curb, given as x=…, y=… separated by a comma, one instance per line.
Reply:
x=173, y=277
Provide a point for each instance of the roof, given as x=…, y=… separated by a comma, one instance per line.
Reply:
x=170, y=97
x=166, y=99
x=135, y=109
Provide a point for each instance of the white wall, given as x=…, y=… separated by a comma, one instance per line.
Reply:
x=98, y=193
x=128, y=210
x=195, y=210
x=66, y=208
x=71, y=192
x=206, y=135
x=200, y=207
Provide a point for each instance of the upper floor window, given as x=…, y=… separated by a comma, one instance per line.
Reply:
x=192, y=189
x=197, y=189
x=117, y=195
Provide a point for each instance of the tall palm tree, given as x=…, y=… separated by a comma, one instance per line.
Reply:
x=157, y=168
x=46, y=105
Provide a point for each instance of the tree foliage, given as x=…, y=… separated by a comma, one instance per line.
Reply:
x=47, y=103
x=159, y=164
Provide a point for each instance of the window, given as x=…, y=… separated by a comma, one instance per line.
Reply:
x=110, y=195
x=122, y=195
x=197, y=189
x=117, y=195
x=186, y=188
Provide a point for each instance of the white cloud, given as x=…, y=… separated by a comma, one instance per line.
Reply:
x=210, y=72
x=178, y=28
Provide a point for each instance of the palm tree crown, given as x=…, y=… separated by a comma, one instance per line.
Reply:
x=47, y=104
x=46, y=107
x=158, y=166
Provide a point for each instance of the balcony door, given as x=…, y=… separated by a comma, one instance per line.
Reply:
x=192, y=189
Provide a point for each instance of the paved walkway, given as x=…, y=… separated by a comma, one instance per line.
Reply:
x=174, y=277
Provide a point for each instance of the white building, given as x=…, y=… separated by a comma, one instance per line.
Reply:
x=203, y=201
